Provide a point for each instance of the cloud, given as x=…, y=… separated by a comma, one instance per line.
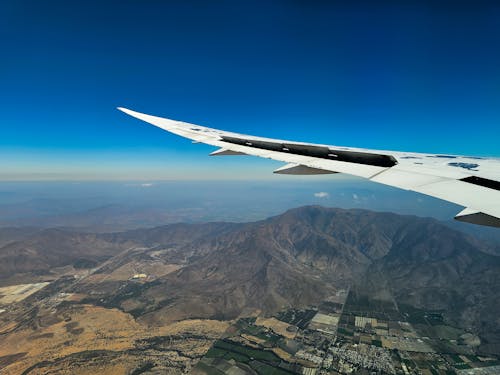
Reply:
x=355, y=197
x=322, y=194
x=144, y=185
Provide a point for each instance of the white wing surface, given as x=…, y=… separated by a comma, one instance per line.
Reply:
x=472, y=182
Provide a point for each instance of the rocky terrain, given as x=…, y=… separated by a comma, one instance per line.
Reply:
x=150, y=283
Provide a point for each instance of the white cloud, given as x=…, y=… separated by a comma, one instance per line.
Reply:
x=355, y=197
x=143, y=185
x=322, y=194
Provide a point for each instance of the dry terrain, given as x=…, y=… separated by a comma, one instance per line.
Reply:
x=100, y=334
x=154, y=300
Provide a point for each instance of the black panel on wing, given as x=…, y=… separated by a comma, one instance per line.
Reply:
x=492, y=184
x=317, y=152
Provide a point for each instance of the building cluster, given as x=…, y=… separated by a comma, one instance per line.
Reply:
x=364, y=356
x=334, y=339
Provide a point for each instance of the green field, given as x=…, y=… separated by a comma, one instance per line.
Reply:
x=265, y=369
x=209, y=370
x=299, y=318
x=419, y=316
x=240, y=353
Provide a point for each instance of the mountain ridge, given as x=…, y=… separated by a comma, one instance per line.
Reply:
x=223, y=270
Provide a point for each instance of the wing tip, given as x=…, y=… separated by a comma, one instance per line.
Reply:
x=126, y=110
x=139, y=115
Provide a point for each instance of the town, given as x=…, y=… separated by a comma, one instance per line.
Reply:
x=346, y=334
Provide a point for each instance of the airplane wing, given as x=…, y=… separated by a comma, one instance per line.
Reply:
x=472, y=182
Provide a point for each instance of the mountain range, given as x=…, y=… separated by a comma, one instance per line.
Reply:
x=226, y=270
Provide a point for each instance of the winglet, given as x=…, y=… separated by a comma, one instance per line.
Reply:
x=196, y=133
x=154, y=120
x=173, y=126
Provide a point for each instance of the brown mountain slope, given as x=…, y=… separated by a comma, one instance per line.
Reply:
x=297, y=258
x=438, y=270
x=51, y=248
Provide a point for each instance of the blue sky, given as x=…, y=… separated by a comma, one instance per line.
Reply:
x=403, y=75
